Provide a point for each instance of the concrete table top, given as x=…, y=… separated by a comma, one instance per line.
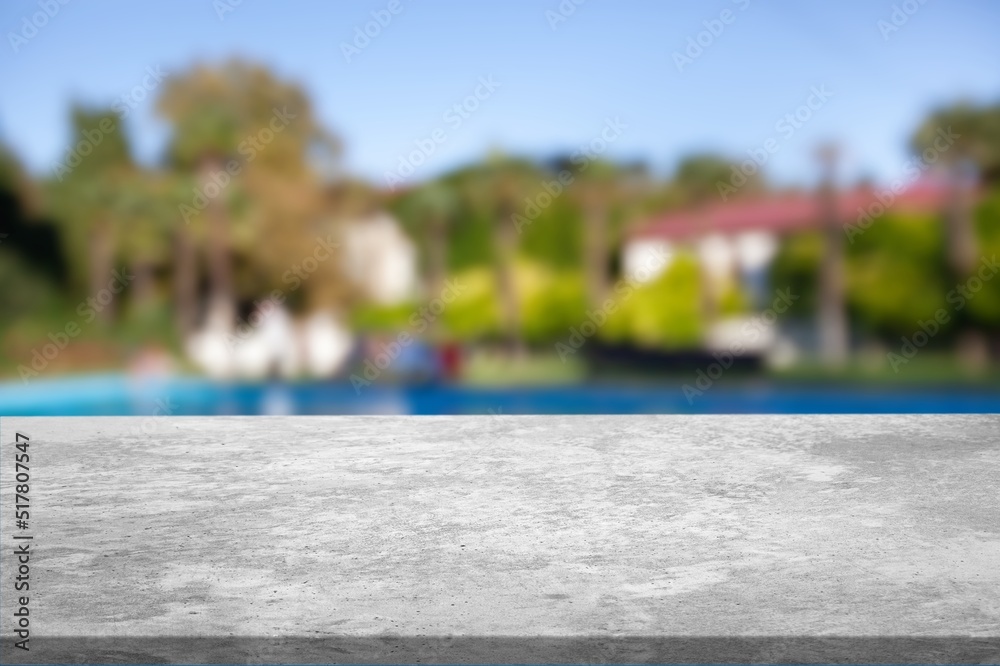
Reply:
x=510, y=539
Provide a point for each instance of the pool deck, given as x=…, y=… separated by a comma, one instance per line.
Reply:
x=508, y=539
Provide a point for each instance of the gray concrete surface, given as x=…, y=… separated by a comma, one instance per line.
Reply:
x=509, y=539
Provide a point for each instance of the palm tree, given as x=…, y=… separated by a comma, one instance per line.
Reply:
x=505, y=244
x=833, y=331
x=506, y=180
x=207, y=133
x=86, y=198
x=146, y=213
x=970, y=152
x=494, y=190
x=597, y=188
x=241, y=114
x=966, y=140
x=430, y=209
x=703, y=178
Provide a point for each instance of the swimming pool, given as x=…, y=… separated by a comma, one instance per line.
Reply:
x=109, y=395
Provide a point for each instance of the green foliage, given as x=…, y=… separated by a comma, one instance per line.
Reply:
x=218, y=112
x=143, y=322
x=475, y=313
x=471, y=240
x=975, y=131
x=698, y=177
x=384, y=318
x=87, y=200
x=485, y=367
x=214, y=129
x=667, y=311
x=797, y=267
x=555, y=236
x=11, y=171
x=706, y=178
x=25, y=293
x=895, y=273
x=427, y=214
x=551, y=301
x=112, y=150
x=985, y=306
x=733, y=301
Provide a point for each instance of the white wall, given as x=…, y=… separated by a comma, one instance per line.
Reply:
x=381, y=259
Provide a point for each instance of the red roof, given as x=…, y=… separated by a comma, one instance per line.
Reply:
x=789, y=212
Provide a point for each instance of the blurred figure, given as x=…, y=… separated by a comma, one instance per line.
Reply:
x=211, y=348
x=327, y=344
x=271, y=347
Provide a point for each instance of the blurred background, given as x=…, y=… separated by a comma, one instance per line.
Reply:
x=536, y=206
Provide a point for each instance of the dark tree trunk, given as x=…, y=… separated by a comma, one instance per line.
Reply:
x=596, y=252
x=962, y=249
x=961, y=234
x=102, y=255
x=506, y=241
x=221, y=299
x=185, y=282
x=833, y=332
x=437, y=260
x=142, y=290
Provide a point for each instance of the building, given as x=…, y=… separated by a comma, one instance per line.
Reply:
x=738, y=240
x=381, y=259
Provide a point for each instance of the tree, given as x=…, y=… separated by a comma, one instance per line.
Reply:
x=496, y=189
x=594, y=190
x=966, y=141
x=146, y=214
x=833, y=331
x=247, y=141
x=703, y=178
x=429, y=211
x=32, y=268
x=86, y=192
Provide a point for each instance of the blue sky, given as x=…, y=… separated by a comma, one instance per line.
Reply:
x=557, y=87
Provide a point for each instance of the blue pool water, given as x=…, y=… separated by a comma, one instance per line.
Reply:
x=118, y=395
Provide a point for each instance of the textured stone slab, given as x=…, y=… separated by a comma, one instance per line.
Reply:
x=508, y=539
